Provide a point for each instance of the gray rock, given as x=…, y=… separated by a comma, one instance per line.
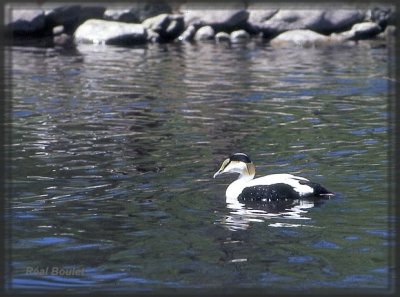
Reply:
x=57, y=30
x=239, y=36
x=110, y=32
x=321, y=21
x=137, y=12
x=153, y=36
x=71, y=16
x=361, y=31
x=257, y=16
x=26, y=22
x=91, y=12
x=259, y=12
x=390, y=31
x=148, y=9
x=383, y=16
x=222, y=36
x=175, y=27
x=230, y=16
x=204, y=33
x=338, y=20
x=188, y=34
x=285, y=20
x=299, y=37
x=63, y=40
x=167, y=26
x=121, y=15
x=366, y=30
x=67, y=16
x=158, y=23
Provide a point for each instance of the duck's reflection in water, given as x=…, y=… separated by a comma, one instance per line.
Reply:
x=241, y=214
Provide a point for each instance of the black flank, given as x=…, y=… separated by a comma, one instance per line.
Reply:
x=273, y=192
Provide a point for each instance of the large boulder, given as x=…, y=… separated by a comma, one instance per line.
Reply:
x=285, y=20
x=338, y=20
x=27, y=22
x=299, y=38
x=318, y=20
x=228, y=17
x=110, y=32
x=71, y=16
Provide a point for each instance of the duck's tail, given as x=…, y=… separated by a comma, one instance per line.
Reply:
x=322, y=192
x=319, y=191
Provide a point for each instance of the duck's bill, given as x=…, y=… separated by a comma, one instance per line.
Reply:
x=217, y=173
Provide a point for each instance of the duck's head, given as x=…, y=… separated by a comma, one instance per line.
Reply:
x=237, y=163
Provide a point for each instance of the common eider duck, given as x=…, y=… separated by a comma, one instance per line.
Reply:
x=267, y=188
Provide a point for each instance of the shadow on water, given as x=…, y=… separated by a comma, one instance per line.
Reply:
x=113, y=150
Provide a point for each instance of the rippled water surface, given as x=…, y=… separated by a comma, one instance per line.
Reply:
x=113, y=151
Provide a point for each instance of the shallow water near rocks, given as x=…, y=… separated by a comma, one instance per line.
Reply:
x=113, y=151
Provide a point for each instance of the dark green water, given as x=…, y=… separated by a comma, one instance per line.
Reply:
x=113, y=152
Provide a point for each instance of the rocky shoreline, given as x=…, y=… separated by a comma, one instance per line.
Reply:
x=161, y=22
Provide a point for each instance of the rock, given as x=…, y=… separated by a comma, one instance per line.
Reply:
x=188, y=34
x=57, y=30
x=138, y=12
x=71, y=16
x=239, y=36
x=27, y=22
x=175, y=28
x=257, y=16
x=339, y=20
x=168, y=27
x=300, y=37
x=121, y=15
x=222, y=36
x=158, y=23
x=66, y=16
x=63, y=40
x=148, y=9
x=285, y=20
x=228, y=17
x=110, y=32
x=383, y=16
x=204, y=33
x=364, y=30
x=321, y=21
x=153, y=36
x=259, y=12
x=390, y=31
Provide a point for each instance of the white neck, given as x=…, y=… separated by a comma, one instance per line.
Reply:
x=235, y=188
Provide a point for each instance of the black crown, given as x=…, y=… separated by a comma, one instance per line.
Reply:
x=240, y=157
